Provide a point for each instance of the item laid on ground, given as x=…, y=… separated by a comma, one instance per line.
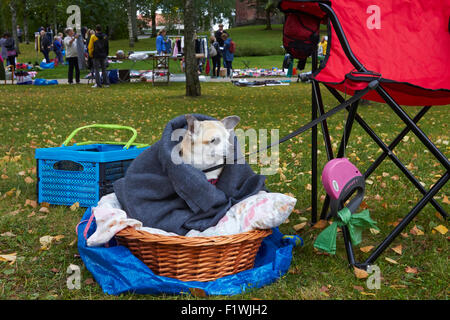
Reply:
x=256, y=73
x=118, y=271
x=260, y=83
x=159, y=193
x=44, y=82
x=85, y=171
x=50, y=65
x=138, y=56
x=24, y=80
x=23, y=77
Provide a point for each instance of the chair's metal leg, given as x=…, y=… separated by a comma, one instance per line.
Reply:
x=325, y=132
x=314, y=163
x=315, y=107
x=387, y=151
x=407, y=219
x=348, y=128
x=324, y=124
x=348, y=246
x=414, y=128
x=396, y=141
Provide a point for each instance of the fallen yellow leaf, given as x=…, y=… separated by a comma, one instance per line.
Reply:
x=360, y=273
x=30, y=203
x=75, y=206
x=299, y=226
x=366, y=249
x=367, y=293
x=441, y=229
x=321, y=224
x=374, y=231
x=411, y=270
x=29, y=180
x=391, y=260
x=397, y=249
x=446, y=200
x=11, y=258
x=364, y=205
x=398, y=286
x=46, y=241
x=10, y=192
x=197, y=292
x=416, y=231
x=44, y=209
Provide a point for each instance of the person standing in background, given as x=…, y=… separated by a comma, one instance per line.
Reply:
x=19, y=34
x=215, y=54
x=72, y=55
x=98, y=50
x=218, y=35
x=57, y=47
x=161, y=44
x=10, y=46
x=3, y=48
x=228, y=54
x=46, y=46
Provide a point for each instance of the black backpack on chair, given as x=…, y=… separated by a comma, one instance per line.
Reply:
x=300, y=29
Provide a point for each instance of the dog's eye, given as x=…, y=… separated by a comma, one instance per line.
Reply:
x=215, y=141
x=181, y=153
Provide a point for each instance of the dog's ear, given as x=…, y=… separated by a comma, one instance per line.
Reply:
x=230, y=122
x=192, y=123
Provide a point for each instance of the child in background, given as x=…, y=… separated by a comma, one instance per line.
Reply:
x=227, y=54
x=57, y=47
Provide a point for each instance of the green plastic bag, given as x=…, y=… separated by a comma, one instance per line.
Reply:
x=356, y=223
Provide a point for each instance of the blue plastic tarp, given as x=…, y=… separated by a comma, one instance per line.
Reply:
x=44, y=82
x=118, y=271
x=50, y=65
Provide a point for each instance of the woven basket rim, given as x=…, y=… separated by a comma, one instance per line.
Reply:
x=132, y=234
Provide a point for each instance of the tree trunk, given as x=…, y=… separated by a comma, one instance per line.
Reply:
x=193, y=88
x=25, y=22
x=13, y=8
x=134, y=20
x=131, y=36
x=268, y=22
x=153, y=17
x=210, y=18
x=3, y=20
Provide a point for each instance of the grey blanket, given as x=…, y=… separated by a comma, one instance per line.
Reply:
x=177, y=197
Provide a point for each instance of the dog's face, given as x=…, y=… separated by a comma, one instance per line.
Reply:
x=207, y=143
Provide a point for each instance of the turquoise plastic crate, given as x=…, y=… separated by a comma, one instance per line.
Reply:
x=85, y=172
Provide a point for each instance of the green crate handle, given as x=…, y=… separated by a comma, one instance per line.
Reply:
x=105, y=126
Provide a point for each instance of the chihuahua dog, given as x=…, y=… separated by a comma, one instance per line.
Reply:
x=208, y=143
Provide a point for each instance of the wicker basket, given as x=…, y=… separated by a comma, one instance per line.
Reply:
x=194, y=258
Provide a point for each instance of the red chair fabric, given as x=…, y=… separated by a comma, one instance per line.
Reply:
x=407, y=42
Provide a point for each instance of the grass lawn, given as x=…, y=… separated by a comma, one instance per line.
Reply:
x=44, y=116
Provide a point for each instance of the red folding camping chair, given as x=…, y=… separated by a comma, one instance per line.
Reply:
x=402, y=48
